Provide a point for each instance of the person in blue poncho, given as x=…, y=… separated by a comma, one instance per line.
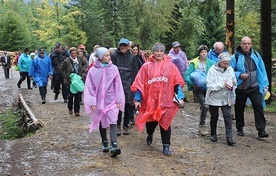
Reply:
x=40, y=71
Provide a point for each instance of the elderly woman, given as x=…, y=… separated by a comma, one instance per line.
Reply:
x=156, y=84
x=221, y=82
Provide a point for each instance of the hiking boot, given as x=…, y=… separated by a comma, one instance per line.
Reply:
x=262, y=134
x=230, y=141
x=203, y=131
x=18, y=85
x=77, y=113
x=114, y=150
x=166, y=149
x=118, y=130
x=125, y=131
x=105, y=146
x=70, y=112
x=214, y=138
x=43, y=101
x=56, y=97
x=240, y=132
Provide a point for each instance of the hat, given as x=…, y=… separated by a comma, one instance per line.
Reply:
x=32, y=54
x=26, y=50
x=100, y=52
x=41, y=50
x=124, y=41
x=202, y=47
x=81, y=46
x=224, y=57
x=158, y=46
x=175, y=44
x=57, y=45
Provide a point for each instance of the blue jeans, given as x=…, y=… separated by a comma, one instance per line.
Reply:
x=200, y=95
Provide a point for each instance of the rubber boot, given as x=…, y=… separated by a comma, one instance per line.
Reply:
x=166, y=149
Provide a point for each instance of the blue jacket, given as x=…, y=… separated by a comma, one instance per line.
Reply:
x=213, y=55
x=24, y=62
x=41, y=69
x=239, y=68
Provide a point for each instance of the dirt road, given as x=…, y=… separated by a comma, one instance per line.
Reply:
x=65, y=147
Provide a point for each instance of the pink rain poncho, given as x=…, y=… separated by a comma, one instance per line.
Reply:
x=103, y=89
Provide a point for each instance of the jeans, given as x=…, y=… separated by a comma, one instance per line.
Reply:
x=256, y=99
x=200, y=95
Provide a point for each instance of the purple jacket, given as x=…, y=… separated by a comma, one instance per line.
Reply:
x=103, y=89
x=180, y=60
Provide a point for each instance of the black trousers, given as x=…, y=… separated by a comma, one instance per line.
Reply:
x=7, y=73
x=226, y=111
x=165, y=134
x=74, y=99
x=43, y=92
x=256, y=99
x=23, y=76
x=57, y=81
x=129, y=113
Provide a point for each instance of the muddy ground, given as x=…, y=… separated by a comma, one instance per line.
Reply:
x=65, y=147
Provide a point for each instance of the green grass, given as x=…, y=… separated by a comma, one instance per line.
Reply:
x=9, y=129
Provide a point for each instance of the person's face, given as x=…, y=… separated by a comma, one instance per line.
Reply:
x=123, y=48
x=59, y=49
x=224, y=64
x=80, y=55
x=106, y=57
x=203, y=54
x=176, y=49
x=73, y=54
x=41, y=54
x=246, y=45
x=158, y=55
x=135, y=50
x=219, y=49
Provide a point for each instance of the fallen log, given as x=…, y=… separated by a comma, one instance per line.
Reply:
x=36, y=122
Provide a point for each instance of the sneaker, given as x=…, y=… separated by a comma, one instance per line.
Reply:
x=262, y=134
x=105, y=146
x=70, y=112
x=114, y=151
x=56, y=97
x=202, y=129
x=118, y=130
x=125, y=131
x=240, y=132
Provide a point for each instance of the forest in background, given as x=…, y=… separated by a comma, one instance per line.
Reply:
x=37, y=23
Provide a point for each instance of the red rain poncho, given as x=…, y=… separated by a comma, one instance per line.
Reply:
x=156, y=81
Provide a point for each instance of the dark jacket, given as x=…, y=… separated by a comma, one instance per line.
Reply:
x=128, y=68
x=57, y=59
x=3, y=62
x=67, y=68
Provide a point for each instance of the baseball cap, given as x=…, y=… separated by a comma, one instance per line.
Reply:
x=175, y=44
x=124, y=41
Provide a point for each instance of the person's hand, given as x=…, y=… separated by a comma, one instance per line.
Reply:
x=244, y=76
x=51, y=77
x=181, y=103
x=228, y=86
x=119, y=105
x=265, y=90
x=137, y=105
x=93, y=108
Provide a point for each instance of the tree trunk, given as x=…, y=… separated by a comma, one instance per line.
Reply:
x=230, y=23
x=265, y=40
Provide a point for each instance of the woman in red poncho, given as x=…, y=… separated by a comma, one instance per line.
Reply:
x=156, y=84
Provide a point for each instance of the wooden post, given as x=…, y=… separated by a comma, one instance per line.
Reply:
x=230, y=24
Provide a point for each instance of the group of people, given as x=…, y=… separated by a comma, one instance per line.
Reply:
x=120, y=82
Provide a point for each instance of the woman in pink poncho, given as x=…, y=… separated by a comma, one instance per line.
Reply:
x=103, y=98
